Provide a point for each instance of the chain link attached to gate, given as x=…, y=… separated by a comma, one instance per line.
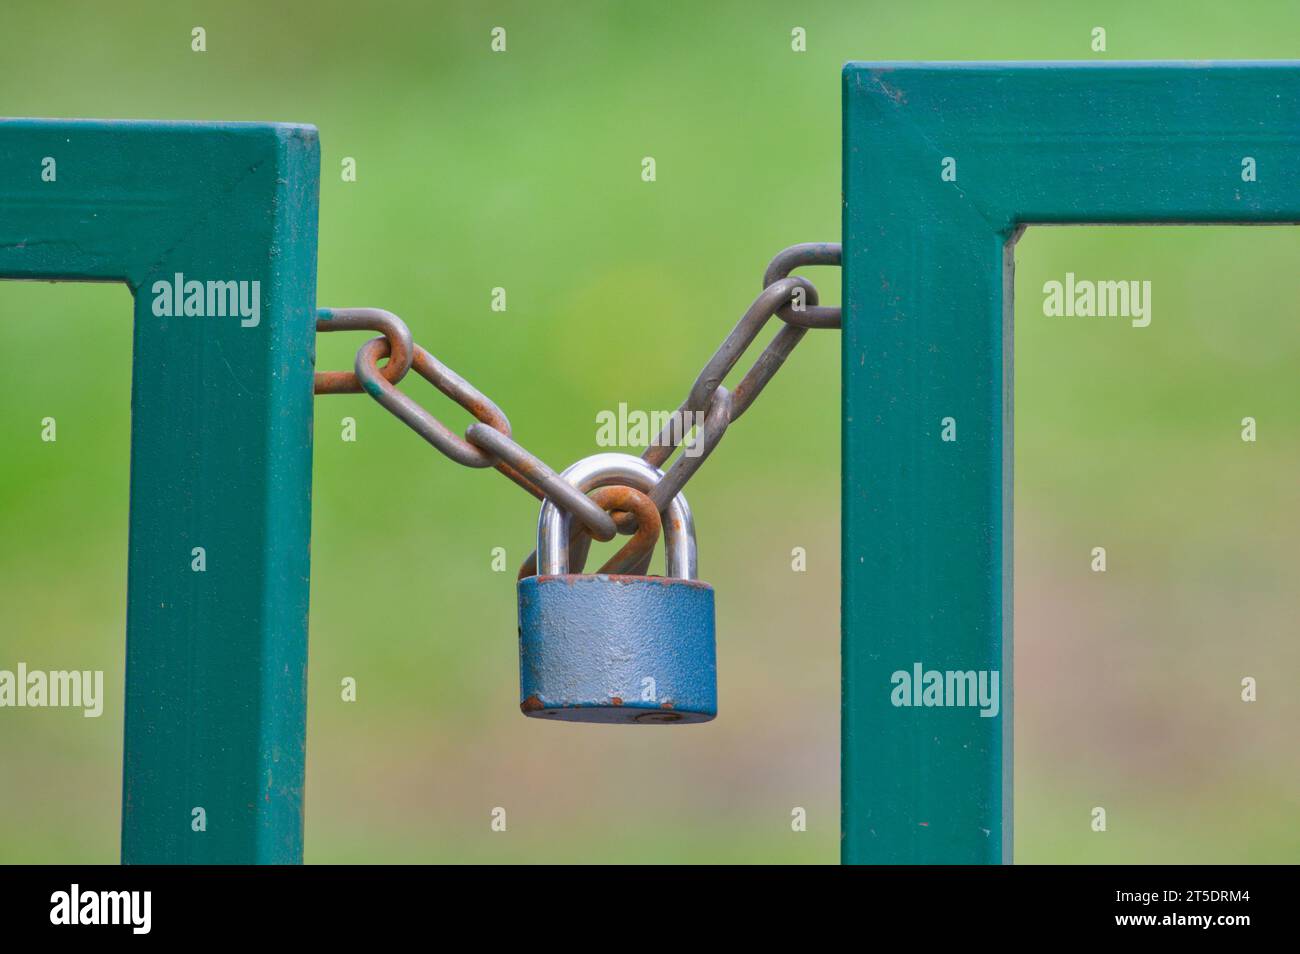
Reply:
x=488, y=441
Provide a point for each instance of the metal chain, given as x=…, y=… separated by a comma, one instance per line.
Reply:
x=498, y=451
x=488, y=441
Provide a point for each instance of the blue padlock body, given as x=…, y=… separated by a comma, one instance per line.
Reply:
x=608, y=648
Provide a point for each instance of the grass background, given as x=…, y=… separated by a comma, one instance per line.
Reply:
x=521, y=170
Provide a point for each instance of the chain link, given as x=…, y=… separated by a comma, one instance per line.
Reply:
x=401, y=347
x=488, y=441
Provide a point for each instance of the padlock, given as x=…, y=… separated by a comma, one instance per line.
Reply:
x=611, y=647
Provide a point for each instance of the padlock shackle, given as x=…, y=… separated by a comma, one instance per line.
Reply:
x=604, y=470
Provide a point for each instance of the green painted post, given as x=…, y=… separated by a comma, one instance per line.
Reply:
x=943, y=165
x=221, y=415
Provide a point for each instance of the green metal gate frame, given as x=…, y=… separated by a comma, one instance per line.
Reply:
x=221, y=443
x=927, y=535
x=221, y=426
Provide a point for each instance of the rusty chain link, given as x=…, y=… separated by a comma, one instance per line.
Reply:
x=488, y=441
x=396, y=334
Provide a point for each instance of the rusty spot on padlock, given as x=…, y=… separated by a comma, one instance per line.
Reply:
x=659, y=717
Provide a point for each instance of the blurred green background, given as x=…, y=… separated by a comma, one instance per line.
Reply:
x=522, y=170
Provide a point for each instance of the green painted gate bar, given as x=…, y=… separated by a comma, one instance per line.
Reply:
x=221, y=414
x=927, y=336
